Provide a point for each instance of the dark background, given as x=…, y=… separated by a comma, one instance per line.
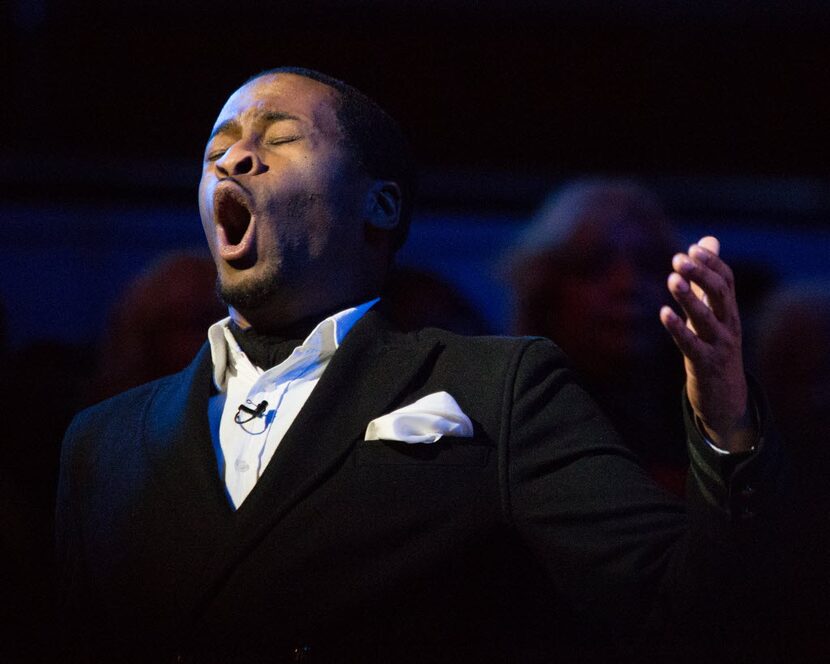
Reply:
x=533, y=87
x=721, y=107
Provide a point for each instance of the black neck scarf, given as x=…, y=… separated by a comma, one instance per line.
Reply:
x=266, y=350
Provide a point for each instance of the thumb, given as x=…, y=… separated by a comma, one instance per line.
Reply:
x=710, y=243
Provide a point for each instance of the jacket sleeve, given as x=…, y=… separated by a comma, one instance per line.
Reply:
x=626, y=556
x=68, y=539
x=80, y=617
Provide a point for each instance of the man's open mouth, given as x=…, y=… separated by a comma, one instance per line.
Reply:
x=232, y=213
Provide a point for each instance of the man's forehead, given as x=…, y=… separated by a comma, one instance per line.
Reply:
x=282, y=93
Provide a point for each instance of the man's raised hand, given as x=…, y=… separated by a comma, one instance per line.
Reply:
x=710, y=340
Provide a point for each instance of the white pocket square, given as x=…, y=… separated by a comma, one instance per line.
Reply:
x=424, y=421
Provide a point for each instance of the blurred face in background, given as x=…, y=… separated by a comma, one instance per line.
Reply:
x=794, y=364
x=592, y=275
x=607, y=289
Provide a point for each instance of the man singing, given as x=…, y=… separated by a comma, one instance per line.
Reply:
x=317, y=486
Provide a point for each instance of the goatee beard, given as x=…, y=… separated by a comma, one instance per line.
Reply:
x=250, y=295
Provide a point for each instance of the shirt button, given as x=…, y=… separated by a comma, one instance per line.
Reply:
x=241, y=465
x=746, y=513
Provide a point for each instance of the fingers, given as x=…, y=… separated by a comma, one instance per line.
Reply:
x=683, y=336
x=710, y=341
x=703, y=285
x=711, y=244
x=700, y=318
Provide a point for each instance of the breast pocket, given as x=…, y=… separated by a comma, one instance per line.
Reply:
x=447, y=451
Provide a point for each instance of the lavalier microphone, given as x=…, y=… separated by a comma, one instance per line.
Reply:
x=253, y=413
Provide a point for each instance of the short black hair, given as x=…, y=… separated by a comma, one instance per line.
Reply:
x=374, y=138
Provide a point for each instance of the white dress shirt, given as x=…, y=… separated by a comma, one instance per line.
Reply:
x=244, y=449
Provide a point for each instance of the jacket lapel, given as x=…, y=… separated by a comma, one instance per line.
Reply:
x=178, y=443
x=367, y=376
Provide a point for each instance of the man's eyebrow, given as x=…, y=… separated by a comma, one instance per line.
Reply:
x=226, y=127
x=232, y=125
x=278, y=116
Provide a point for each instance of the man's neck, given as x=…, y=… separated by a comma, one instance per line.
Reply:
x=289, y=327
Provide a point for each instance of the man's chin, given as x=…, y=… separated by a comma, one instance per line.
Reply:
x=249, y=294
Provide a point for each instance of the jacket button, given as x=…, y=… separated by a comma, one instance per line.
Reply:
x=747, y=492
x=301, y=654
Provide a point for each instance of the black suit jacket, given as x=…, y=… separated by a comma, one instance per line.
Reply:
x=538, y=537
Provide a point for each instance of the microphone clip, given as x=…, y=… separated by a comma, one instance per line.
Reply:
x=253, y=413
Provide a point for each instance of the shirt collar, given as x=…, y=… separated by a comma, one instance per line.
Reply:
x=319, y=345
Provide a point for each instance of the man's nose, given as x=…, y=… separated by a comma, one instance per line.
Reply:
x=240, y=159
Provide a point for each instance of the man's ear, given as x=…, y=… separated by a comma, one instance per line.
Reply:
x=383, y=205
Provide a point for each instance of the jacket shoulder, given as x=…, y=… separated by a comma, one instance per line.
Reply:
x=488, y=343
x=132, y=402
x=496, y=353
x=120, y=405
